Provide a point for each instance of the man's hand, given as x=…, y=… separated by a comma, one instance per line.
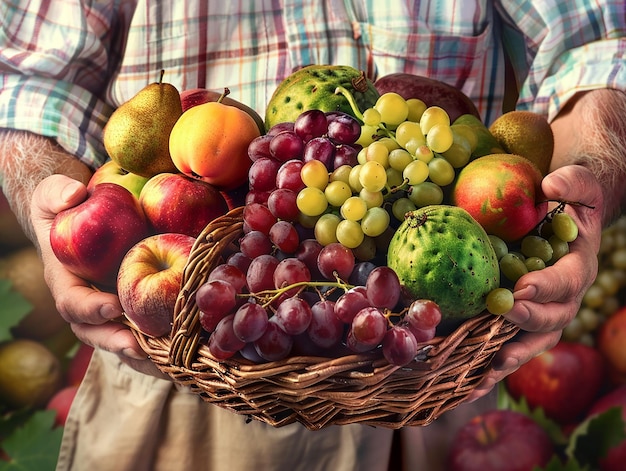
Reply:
x=92, y=314
x=547, y=300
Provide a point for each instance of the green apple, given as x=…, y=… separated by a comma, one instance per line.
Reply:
x=111, y=172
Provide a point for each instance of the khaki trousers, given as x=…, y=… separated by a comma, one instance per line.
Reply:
x=122, y=420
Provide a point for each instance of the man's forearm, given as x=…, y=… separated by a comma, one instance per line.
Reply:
x=25, y=160
x=591, y=131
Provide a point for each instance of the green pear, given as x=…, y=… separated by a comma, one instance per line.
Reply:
x=136, y=137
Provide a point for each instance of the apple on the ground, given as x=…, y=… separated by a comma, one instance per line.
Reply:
x=150, y=278
x=61, y=402
x=77, y=366
x=111, y=172
x=174, y=202
x=563, y=381
x=616, y=457
x=91, y=239
x=500, y=440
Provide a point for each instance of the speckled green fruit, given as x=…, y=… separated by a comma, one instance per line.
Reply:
x=441, y=253
x=313, y=87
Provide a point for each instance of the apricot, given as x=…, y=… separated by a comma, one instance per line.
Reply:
x=210, y=141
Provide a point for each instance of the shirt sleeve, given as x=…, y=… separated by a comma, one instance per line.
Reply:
x=561, y=48
x=55, y=66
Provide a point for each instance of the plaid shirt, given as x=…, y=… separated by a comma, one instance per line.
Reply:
x=65, y=65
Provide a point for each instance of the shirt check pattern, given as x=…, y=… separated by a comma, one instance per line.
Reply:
x=65, y=65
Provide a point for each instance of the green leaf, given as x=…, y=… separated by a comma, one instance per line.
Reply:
x=35, y=445
x=593, y=438
x=13, y=308
x=556, y=464
x=554, y=430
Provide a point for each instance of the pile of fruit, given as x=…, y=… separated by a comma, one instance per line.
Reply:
x=371, y=221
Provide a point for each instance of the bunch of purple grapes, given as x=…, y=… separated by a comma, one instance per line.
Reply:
x=265, y=305
x=278, y=156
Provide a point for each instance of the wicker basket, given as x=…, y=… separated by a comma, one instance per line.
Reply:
x=314, y=391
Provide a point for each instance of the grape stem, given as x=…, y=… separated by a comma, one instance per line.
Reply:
x=558, y=209
x=270, y=295
x=351, y=101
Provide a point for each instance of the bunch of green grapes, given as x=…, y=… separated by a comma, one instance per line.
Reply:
x=608, y=292
x=534, y=252
x=409, y=153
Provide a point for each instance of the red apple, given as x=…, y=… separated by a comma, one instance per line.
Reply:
x=196, y=96
x=610, y=341
x=61, y=402
x=502, y=192
x=174, y=202
x=616, y=457
x=150, y=279
x=563, y=381
x=111, y=172
x=500, y=440
x=91, y=238
x=432, y=92
x=78, y=364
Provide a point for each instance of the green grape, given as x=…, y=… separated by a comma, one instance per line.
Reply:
x=349, y=233
x=373, y=176
x=425, y=193
x=499, y=246
x=375, y=221
x=465, y=131
x=534, y=263
x=408, y=131
x=307, y=221
x=311, y=201
x=337, y=192
x=564, y=227
x=354, y=178
x=353, y=209
x=341, y=174
x=325, y=230
x=594, y=296
x=377, y=152
x=440, y=171
x=559, y=248
x=608, y=282
x=314, y=174
x=401, y=206
x=371, y=117
x=368, y=135
x=536, y=246
x=499, y=301
x=512, y=266
x=416, y=172
x=394, y=177
x=424, y=153
x=389, y=143
x=361, y=156
x=439, y=138
x=399, y=159
x=366, y=249
x=460, y=151
x=372, y=198
x=431, y=116
x=392, y=107
x=416, y=109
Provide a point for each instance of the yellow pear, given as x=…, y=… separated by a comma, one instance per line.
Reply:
x=527, y=134
x=136, y=137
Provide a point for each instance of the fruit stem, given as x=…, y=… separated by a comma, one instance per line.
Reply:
x=270, y=295
x=351, y=101
x=224, y=94
x=161, y=76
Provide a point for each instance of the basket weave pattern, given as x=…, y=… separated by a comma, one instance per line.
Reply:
x=317, y=392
